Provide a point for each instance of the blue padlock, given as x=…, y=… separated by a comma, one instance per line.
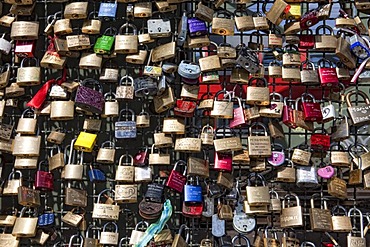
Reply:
x=197, y=27
x=125, y=129
x=47, y=218
x=107, y=11
x=96, y=175
x=193, y=192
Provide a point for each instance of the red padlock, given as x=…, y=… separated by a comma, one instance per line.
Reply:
x=44, y=180
x=328, y=75
x=223, y=162
x=306, y=41
x=239, y=117
x=192, y=210
x=141, y=157
x=176, y=180
x=311, y=109
x=184, y=108
x=25, y=48
x=309, y=19
x=320, y=141
x=288, y=115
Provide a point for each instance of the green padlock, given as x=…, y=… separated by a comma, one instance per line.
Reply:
x=105, y=43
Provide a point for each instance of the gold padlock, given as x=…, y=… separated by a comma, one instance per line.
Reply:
x=287, y=174
x=243, y=21
x=204, y=13
x=210, y=63
x=164, y=101
x=106, y=153
x=222, y=109
x=29, y=76
x=126, y=43
x=111, y=105
x=76, y=10
x=62, y=110
x=325, y=42
x=24, y=30
x=143, y=120
x=223, y=25
x=159, y=158
x=341, y=223
x=291, y=216
x=56, y=161
x=90, y=61
x=27, y=125
x=320, y=218
x=143, y=10
x=26, y=146
x=257, y=95
x=25, y=226
x=259, y=146
x=257, y=195
x=91, y=25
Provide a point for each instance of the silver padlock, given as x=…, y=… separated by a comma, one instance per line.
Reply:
x=307, y=177
x=5, y=45
x=328, y=112
x=158, y=28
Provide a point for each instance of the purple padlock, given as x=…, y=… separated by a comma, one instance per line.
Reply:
x=197, y=27
x=277, y=157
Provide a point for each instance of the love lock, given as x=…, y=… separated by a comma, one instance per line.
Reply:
x=277, y=157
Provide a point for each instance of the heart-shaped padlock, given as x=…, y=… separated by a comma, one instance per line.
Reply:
x=277, y=157
x=326, y=172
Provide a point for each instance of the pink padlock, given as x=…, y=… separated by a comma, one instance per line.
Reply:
x=239, y=117
x=277, y=155
x=326, y=172
x=223, y=162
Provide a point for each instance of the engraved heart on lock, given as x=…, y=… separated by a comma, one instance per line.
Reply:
x=277, y=157
x=326, y=172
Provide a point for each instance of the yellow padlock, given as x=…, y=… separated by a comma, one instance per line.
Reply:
x=294, y=12
x=85, y=142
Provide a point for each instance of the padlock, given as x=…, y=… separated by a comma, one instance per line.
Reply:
x=126, y=43
x=107, y=10
x=259, y=146
x=342, y=72
x=341, y=223
x=106, y=153
x=299, y=117
x=227, y=144
x=143, y=10
x=291, y=216
x=90, y=61
x=189, y=70
x=125, y=170
x=104, y=211
x=248, y=60
x=178, y=240
x=28, y=197
x=198, y=166
x=77, y=42
x=193, y=192
x=12, y=184
x=26, y=146
x=224, y=211
x=341, y=130
x=136, y=234
x=311, y=110
x=320, y=218
x=256, y=44
x=144, y=38
x=125, y=91
x=238, y=113
x=73, y=218
x=320, y=141
x=277, y=12
x=176, y=180
x=258, y=95
x=309, y=75
x=270, y=241
x=73, y=171
x=28, y=76
x=126, y=193
x=91, y=25
x=5, y=45
x=164, y=101
x=159, y=158
x=222, y=109
x=61, y=110
x=343, y=51
x=306, y=39
x=110, y=238
x=288, y=114
x=92, y=125
x=328, y=113
x=85, y=141
x=294, y=11
x=25, y=226
x=159, y=27
x=111, y=105
x=363, y=158
x=352, y=240
x=44, y=180
x=104, y=43
x=7, y=20
x=257, y=195
x=337, y=187
x=276, y=107
x=92, y=240
x=260, y=21
x=274, y=69
x=4, y=75
x=143, y=120
x=339, y=157
x=207, y=135
x=291, y=57
x=277, y=157
x=154, y=192
x=288, y=239
x=24, y=30
x=27, y=125
x=243, y=21
x=89, y=99
x=125, y=129
x=56, y=160
x=287, y=174
x=173, y=126
x=164, y=51
x=310, y=18
x=360, y=114
x=307, y=177
x=325, y=42
x=76, y=10
x=275, y=205
x=223, y=25
x=328, y=75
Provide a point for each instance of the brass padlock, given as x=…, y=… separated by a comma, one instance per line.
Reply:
x=257, y=195
x=159, y=158
x=356, y=241
x=24, y=30
x=106, y=153
x=111, y=106
x=27, y=125
x=287, y=174
x=277, y=12
x=223, y=25
x=143, y=120
x=12, y=183
x=275, y=205
x=257, y=95
x=173, y=126
x=76, y=10
x=30, y=75
x=320, y=218
x=225, y=211
x=337, y=187
x=341, y=223
x=301, y=156
x=56, y=137
x=140, y=57
x=291, y=216
x=126, y=43
x=25, y=226
x=163, y=52
x=143, y=10
x=78, y=42
x=243, y=21
x=90, y=61
x=164, y=101
x=204, y=13
x=339, y=157
x=260, y=22
x=91, y=25
x=222, y=109
x=325, y=42
x=259, y=146
x=270, y=241
x=56, y=161
x=62, y=110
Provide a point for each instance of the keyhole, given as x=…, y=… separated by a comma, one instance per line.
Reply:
x=159, y=29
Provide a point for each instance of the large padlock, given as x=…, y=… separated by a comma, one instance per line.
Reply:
x=105, y=211
x=306, y=39
x=243, y=21
x=25, y=226
x=62, y=110
x=12, y=184
x=137, y=234
x=299, y=117
x=325, y=42
x=311, y=109
x=320, y=218
x=126, y=43
x=109, y=238
x=78, y=42
x=125, y=129
x=159, y=27
x=339, y=157
x=291, y=56
x=89, y=99
x=257, y=195
x=159, y=158
x=28, y=197
x=24, y=30
x=204, y=13
x=27, y=125
x=259, y=146
x=164, y=101
x=176, y=180
x=309, y=74
x=106, y=153
x=291, y=216
x=343, y=51
x=193, y=192
x=44, y=180
x=104, y=43
x=30, y=75
x=26, y=146
x=328, y=75
x=277, y=12
x=223, y=25
x=359, y=114
x=341, y=223
x=222, y=109
x=257, y=95
x=356, y=241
